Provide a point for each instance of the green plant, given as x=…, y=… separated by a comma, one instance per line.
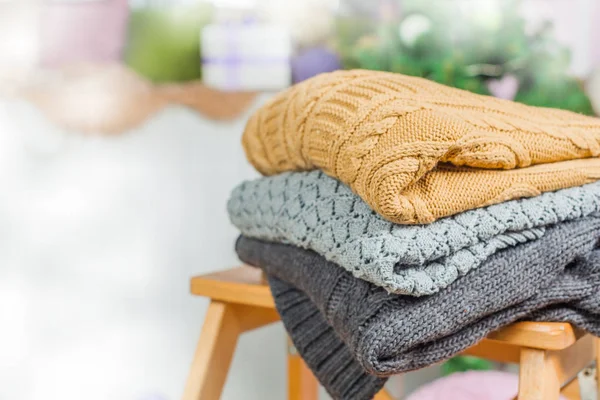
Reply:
x=164, y=42
x=465, y=363
x=469, y=45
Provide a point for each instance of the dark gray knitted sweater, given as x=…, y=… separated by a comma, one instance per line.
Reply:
x=350, y=331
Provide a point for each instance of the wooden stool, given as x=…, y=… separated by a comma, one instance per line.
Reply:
x=549, y=354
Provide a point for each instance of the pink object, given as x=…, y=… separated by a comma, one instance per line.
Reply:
x=505, y=88
x=82, y=31
x=471, y=385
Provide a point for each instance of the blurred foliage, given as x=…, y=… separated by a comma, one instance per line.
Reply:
x=465, y=363
x=164, y=42
x=465, y=45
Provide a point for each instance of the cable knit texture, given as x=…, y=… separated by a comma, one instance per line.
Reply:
x=350, y=331
x=316, y=212
x=384, y=134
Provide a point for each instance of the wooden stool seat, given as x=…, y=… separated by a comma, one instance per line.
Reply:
x=241, y=285
x=550, y=354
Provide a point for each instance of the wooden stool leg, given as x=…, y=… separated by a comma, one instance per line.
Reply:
x=571, y=390
x=214, y=353
x=302, y=384
x=538, y=379
x=597, y=344
x=383, y=395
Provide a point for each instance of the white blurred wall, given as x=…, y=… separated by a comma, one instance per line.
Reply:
x=98, y=239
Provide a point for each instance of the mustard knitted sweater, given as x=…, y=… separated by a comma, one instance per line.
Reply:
x=416, y=150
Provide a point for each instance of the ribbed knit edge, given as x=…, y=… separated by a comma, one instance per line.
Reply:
x=328, y=357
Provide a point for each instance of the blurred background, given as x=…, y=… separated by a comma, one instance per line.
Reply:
x=120, y=126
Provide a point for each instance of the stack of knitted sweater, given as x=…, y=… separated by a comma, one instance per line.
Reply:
x=401, y=221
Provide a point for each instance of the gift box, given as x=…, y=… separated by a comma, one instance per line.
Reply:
x=246, y=56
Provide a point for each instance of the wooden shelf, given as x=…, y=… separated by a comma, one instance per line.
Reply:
x=112, y=99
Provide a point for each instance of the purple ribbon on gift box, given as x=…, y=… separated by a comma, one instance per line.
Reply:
x=233, y=60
